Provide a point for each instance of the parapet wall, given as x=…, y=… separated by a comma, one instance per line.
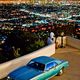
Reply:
x=9, y=66
x=73, y=42
x=69, y=41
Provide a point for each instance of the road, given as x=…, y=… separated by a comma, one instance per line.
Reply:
x=73, y=71
x=73, y=56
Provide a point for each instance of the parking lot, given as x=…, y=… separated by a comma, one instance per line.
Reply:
x=73, y=56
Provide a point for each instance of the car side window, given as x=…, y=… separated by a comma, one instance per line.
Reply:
x=51, y=65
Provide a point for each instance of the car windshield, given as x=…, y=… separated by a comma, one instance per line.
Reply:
x=36, y=65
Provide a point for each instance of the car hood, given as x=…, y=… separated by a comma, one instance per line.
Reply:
x=24, y=73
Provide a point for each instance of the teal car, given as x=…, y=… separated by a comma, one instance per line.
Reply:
x=40, y=68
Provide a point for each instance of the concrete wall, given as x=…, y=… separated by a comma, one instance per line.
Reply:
x=73, y=42
x=7, y=67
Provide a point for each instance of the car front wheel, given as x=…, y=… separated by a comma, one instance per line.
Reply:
x=60, y=72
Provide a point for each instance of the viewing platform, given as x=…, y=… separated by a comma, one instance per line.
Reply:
x=73, y=56
x=71, y=53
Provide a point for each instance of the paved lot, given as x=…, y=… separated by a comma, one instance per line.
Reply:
x=73, y=56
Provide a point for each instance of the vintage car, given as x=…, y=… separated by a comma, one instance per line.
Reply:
x=40, y=68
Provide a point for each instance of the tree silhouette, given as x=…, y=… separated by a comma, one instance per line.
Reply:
x=19, y=41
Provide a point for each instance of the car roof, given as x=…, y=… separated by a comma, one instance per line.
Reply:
x=44, y=59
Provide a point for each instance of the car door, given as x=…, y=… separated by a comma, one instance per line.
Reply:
x=50, y=70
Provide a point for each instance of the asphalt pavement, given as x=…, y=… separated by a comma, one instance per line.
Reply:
x=73, y=56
